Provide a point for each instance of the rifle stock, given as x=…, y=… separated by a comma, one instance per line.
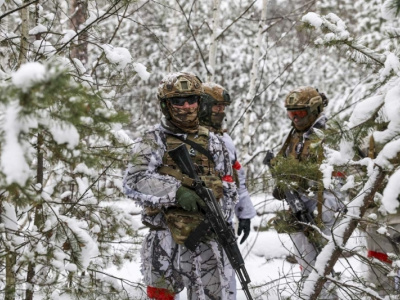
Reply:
x=214, y=220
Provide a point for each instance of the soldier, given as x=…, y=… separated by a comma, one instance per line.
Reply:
x=169, y=204
x=300, y=156
x=212, y=115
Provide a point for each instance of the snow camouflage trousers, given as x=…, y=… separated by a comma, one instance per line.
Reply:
x=305, y=252
x=378, y=247
x=205, y=273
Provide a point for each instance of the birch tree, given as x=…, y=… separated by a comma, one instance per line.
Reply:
x=246, y=137
x=213, y=40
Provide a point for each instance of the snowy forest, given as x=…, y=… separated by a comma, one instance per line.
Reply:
x=78, y=83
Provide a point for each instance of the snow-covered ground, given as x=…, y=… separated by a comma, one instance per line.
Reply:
x=272, y=276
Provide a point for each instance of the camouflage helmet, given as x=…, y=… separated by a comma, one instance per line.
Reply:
x=306, y=97
x=179, y=84
x=214, y=94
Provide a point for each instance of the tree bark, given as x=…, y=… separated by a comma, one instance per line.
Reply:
x=24, y=43
x=38, y=214
x=212, y=56
x=79, y=10
x=10, y=276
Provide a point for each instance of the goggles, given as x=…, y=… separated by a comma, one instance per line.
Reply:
x=299, y=113
x=180, y=101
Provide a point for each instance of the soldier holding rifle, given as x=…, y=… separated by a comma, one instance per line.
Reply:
x=299, y=180
x=181, y=249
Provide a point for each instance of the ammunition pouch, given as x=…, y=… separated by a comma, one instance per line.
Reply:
x=182, y=222
x=215, y=184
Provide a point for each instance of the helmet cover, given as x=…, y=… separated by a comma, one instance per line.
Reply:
x=181, y=84
x=305, y=98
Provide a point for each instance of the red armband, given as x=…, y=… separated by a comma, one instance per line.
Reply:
x=338, y=174
x=159, y=293
x=236, y=165
x=379, y=255
x=227, y=178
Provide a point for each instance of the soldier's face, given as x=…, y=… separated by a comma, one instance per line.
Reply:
x=300, y=118
x=218, y=108
x=184, y=109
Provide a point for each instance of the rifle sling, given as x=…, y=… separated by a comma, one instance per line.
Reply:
x=196, y=146
x=286, y=143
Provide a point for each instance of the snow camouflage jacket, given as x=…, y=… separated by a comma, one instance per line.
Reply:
x=162, y=259
x=244, y=209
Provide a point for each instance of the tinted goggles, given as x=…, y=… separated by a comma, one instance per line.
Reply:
x=299, y=113
x=180, y=101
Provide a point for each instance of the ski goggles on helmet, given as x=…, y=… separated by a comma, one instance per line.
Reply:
x=298, y=113
x=180, y=101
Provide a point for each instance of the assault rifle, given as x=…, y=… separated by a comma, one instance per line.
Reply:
x=214, y=221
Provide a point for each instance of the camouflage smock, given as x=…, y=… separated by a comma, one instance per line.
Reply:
x=166, y=264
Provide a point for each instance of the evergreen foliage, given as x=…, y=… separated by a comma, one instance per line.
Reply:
x=64, y=213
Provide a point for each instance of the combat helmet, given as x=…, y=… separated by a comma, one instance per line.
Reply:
x=308, y=102
x=214, y=94
x=306, y=97
x=179, y=85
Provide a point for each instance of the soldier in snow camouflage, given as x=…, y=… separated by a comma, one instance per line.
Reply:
x=212, y=115
x=303, y=146
x=170, y=205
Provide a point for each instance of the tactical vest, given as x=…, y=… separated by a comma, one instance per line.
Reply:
x=181, y=222
x=299, y=148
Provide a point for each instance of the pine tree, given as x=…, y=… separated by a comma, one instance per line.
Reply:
x=62, y=152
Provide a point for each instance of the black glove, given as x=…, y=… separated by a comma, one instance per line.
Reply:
x=244, y=225
x=278, y=193
x=268, y=157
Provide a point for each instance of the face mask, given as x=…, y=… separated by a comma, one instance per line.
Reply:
x=184, y=118
x=217, y=119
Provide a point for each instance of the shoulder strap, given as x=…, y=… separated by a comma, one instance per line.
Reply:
x=286, y=143
x=196, y=146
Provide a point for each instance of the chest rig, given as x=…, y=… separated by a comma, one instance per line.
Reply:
x=181, y=222
x=299, y=148
x=203, y=163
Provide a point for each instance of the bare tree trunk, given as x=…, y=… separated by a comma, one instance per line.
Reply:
x=213, y=43
x=253, y=77
x=10, y=260
x=342, y=233
x=24, y=43
x=38, y=216
x=10, y=276
x=79, y=10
